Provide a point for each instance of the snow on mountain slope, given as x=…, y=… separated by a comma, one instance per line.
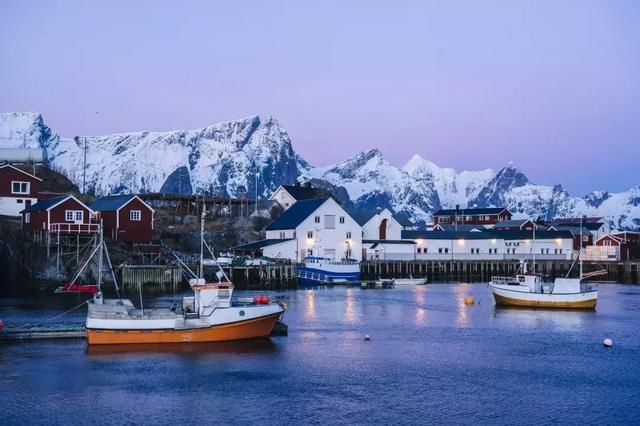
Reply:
x=220, y=159
x=223, y=159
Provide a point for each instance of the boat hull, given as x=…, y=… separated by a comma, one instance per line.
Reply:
x=505, y=297
x=247, y=329
x=314, y=276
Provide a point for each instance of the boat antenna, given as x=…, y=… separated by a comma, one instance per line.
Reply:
x=101, y=249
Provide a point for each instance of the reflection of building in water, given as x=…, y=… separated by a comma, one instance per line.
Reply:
x=349, y=314
x=421, y=310
x=310, y=311
x=461, y=292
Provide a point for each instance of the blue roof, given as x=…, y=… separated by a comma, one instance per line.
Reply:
x=259, y=244
x=110, y=203
x=44, y=205
x=296, y=214
x=363, y=216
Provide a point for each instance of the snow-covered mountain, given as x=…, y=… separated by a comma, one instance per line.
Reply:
x=224, y=159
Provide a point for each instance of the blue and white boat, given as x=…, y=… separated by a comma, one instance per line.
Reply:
x=324, y=270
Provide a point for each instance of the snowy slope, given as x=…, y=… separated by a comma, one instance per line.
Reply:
x=223, y=158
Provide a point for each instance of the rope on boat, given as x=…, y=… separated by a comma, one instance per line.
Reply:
x=66, y=312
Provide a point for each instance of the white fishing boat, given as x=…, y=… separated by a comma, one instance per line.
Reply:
x=324, y=270
x=409, y=281
x=529, y=290
x=209, y=315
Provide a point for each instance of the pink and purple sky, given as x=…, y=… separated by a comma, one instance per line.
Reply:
x=552, y=85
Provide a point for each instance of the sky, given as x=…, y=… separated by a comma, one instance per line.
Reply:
x=553, y=86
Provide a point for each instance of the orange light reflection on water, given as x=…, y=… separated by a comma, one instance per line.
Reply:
x=310, y=309
x=349, y=314
x=461, y=291
x=421, y=310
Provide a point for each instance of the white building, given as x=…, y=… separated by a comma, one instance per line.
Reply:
x=491, y=245
x=382, y=235
x=316, y=227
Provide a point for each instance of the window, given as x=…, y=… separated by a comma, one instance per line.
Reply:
x=446, y=250
x=135, y=215
x=19, y=201
x=68, y=215
x=79, y=215
x=419, y=250
x=560, y=250
x=542, y=251
x=27, y=217
x=317, y=219
x=309, y=252
x=310, y=234
x=341, y=219
x=348, y=235
x=440, y=250
x=282, y=235
x=20, y=187
x=329, y=221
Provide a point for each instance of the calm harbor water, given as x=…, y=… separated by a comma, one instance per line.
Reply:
x=431, y=359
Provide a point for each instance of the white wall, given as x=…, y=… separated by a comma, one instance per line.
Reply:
x=9, y=206
x=284, y=234
x=391, y=252
x=285, y=250
x=283, y=198
x=461, y=249
x=372, y=227
x=329, y=239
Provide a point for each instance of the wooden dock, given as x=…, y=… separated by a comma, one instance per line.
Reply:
x=482, y=270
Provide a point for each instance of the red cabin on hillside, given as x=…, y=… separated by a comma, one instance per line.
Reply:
x=627, y=243
x=63, y=214
x=18, y=190
x=125, y=218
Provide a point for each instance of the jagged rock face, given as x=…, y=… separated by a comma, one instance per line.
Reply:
x=225, y=159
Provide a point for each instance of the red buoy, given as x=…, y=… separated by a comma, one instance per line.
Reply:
x=265, y=300
x=257, y=299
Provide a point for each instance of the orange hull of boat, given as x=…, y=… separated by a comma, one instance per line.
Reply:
x=259, y=327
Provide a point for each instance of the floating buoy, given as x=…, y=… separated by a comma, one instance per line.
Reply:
x=265, y=300
x=607, y=343
x=469, y=300
x=1, y=324
x=367, y=337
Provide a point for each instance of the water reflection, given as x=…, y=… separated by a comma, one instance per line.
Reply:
x=253, y=346
x=563, y=320
x=461, y=291
x=310, y=308
x=349, y=315
x=421, y=311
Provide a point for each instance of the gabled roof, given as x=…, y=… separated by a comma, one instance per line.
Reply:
x=21, y=171
x=362, y=216
x=591, y=226
x=260, y=244
x=301, y=192
x=471, y=211
x=114, y=203
x=403, y=219
x=296, y=214
x=50, y=203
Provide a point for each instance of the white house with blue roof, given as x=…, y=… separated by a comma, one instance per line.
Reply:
x=317, y=227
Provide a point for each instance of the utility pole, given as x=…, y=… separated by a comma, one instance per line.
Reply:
x=256, y=173
x=84, y=167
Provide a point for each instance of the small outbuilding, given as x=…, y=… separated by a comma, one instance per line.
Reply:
x=125, y=218
x=18, y=190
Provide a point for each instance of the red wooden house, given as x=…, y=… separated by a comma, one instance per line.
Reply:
x=62, y=214
x=125, y=218
x=627, y=243
x=17, y=190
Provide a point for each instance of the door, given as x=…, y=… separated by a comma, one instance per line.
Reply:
x=78, y=217
x=383, y=230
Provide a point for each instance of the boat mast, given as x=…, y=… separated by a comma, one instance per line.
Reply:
x=533, y=248
x=101, y=248
x=204, y=211
x=580, y=251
